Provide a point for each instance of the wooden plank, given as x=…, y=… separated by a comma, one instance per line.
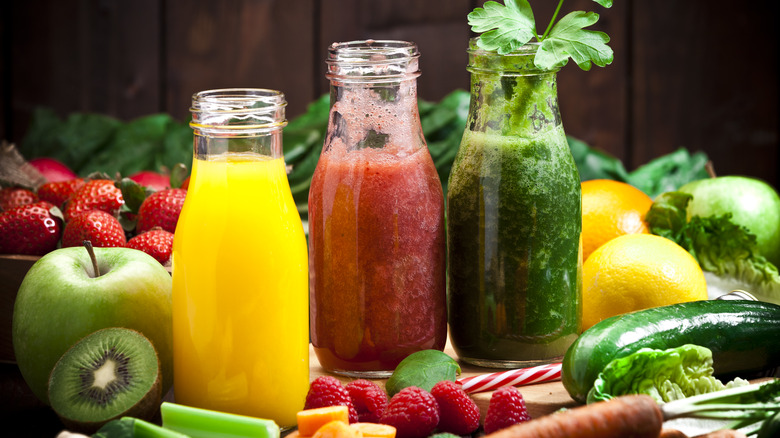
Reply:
x=13, y=268
x=700, y=84
x=540, y=398
x=84, y=56
x=242, y=44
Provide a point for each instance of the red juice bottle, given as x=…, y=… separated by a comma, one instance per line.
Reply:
x=377, y=243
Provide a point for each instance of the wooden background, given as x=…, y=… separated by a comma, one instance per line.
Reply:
x=700, y=74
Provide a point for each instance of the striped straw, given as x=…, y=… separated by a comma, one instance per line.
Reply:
x=517, y=377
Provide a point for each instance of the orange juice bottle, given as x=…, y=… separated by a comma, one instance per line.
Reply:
x=240, y=266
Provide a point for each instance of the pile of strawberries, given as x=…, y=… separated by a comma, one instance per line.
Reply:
x=415, y=412
x=66, y=213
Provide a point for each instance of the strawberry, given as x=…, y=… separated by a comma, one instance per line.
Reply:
x=96, y=194
x=30, y=229
x=97, y=226
x=59, y=191
x=161, y=209
x=12, y=197
x=156, y=242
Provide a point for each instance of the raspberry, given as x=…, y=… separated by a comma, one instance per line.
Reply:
x=457, y=411
x=369, y=400
x=413, y=412
x=328, y=391
x=506, y=408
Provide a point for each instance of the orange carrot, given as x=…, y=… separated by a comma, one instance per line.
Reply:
x=374, y=430
x=629, y=416
x=670, y=433
x=310, y=420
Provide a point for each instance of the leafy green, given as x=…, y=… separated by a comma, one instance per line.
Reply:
x=596, y=164
x=505, y=28
x=422, y=369
x=726, y=250
x=119, y=428
x=665, y=375
x=669, y=172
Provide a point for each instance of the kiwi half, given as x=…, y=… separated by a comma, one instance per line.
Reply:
x=108, y=374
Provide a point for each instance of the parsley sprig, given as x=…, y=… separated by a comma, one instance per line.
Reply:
x=505, y=28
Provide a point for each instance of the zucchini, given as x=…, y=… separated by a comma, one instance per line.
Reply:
x=744, y=337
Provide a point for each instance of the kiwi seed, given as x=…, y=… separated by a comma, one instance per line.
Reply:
x=110, y=373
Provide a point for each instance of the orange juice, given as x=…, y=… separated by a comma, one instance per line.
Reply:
x=240, y=291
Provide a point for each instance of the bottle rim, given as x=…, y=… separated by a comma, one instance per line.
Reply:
x=372, y=60
x=239, y=111
x=519, y=62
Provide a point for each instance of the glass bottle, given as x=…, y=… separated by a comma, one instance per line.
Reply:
x=514, y=219
x=240, y=268
x=376, y=217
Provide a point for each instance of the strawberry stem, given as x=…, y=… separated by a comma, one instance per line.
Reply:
x=91, y=252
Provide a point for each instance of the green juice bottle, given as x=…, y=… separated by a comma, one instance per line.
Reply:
x=513, y=219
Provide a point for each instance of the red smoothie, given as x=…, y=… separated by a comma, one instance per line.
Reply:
x=376, y=257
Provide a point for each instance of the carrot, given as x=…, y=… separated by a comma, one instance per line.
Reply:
x=337, y=429
x=374, y=430
x=629, y=416
x=668, y=433
x=310, y=420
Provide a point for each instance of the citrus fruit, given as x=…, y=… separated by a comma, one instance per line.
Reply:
x=611, y=209
x=638, y=271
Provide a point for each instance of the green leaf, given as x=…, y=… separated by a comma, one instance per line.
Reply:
x=569, y=39
x=504, y=28
x=120, y=428
x=422, y=369
x=595, y=164
x=665, y=375
x=669, y=172
x=605, y=3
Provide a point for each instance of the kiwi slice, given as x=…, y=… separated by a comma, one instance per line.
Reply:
x=108, y=374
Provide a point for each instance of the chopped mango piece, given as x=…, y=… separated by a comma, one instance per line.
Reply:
x=374, y=430
x=310, y=420
x=337, y=429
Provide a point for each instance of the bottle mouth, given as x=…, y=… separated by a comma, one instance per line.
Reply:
x=238, y=111
x=519, y=62
x=372, y=61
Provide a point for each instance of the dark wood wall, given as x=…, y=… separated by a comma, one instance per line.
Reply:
x=700, y=74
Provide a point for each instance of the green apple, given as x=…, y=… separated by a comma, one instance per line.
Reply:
x=753, y=204
x=61, y=300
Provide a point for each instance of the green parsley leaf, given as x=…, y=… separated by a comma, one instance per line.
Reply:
x=568, y=38
x=504, y=28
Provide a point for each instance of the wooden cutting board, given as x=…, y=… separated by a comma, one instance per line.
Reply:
x=540, y=398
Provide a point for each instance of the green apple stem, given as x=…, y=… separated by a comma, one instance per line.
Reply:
x=710, y=168
x=88, y=245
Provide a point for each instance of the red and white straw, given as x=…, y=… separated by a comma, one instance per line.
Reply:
x=518, y=377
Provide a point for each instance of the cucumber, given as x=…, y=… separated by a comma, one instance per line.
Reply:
x=744, y=337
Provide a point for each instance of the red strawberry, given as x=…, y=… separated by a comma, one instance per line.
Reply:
x=505, y=409
x=457, y=411
x=60, y=191
x=161, y=209
x=97, y=226
x=156, y=242
x=413, y=412
x=29, y=229
x=368, y=398
x=12, y=197
x=96, y=194
x=329, y=391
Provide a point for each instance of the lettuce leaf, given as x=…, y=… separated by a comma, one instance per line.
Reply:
x=665, y=375
x=725, y=251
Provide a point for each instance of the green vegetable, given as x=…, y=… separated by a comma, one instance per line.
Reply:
x=119, y=428
x=742, y=336
x=722, y=248
x=507, y=27
x=751, y=409
x=422, y=369
x=665, y=375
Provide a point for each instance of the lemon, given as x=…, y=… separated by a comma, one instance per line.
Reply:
x=638, y=271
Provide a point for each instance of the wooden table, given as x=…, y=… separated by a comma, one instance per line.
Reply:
x=540, y=398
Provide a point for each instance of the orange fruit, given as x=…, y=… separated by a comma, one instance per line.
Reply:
x=611, y=209
x=638, y=271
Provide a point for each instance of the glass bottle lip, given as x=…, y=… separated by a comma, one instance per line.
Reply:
x=519, y=62
x=372, y=61
x=238, y=111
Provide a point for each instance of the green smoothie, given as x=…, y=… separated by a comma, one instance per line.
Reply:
x=514, y=223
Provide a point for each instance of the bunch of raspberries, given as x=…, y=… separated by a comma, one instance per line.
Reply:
x=415, y=412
